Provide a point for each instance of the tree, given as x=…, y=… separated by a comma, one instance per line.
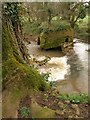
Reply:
x=12, y=12
x=16, y=72
x=72, y=12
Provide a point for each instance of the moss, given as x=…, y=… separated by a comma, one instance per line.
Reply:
x=15, y=70
x=55, y=39
x=7, y=50
x=11, y=99
x=41, y=112
x=9, y=44
x=33, y=79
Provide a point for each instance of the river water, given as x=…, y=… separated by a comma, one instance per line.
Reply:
x=70, y=71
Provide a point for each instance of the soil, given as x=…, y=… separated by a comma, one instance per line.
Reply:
x=62, y=108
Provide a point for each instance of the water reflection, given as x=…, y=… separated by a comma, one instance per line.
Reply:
x=79, y=68
x=75, y=65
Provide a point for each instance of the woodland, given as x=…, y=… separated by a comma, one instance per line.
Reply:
x=26, y=93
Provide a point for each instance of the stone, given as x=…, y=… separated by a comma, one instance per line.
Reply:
x=57, y=112
x=61, y=105
x=77, y=111
x=70, y=116
x=75, y=106
x=67, y=101
x=45, y=106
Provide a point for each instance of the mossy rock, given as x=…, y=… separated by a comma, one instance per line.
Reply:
x=56, y=36
x=54, y=39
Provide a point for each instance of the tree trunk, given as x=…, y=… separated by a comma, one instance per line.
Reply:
x=72, y=24
x=21, y=43
x=16, y=73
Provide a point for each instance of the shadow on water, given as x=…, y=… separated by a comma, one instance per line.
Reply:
x=76, y=69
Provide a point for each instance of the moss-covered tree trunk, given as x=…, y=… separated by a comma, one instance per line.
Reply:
x=21, y=43
x=16, y=72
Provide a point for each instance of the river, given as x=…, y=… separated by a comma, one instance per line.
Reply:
x=70, y=71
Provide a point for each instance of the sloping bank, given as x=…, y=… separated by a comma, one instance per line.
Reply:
x=18, y=77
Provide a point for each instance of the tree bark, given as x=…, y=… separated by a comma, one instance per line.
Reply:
x=21, y=43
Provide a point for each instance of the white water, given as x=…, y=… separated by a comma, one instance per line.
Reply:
x=57, y=67
x=71, y=71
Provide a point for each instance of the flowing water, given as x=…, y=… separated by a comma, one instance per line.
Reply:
x=69, y=71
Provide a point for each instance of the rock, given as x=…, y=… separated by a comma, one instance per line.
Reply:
x=53, y=94
x=77, y=116
x=86, y=105
x=70, y=116
x=77, y=111
x=45, y=106
x=75, y=106
x=30, y=60
x=67, y=101
x=59, y=112
x=55, y=101
x=61, y=105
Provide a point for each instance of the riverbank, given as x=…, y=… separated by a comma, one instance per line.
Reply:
x=51, y=104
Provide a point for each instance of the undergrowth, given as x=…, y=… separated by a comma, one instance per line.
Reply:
x=75, y=98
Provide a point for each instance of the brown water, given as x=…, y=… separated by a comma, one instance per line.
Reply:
x=69, y=71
